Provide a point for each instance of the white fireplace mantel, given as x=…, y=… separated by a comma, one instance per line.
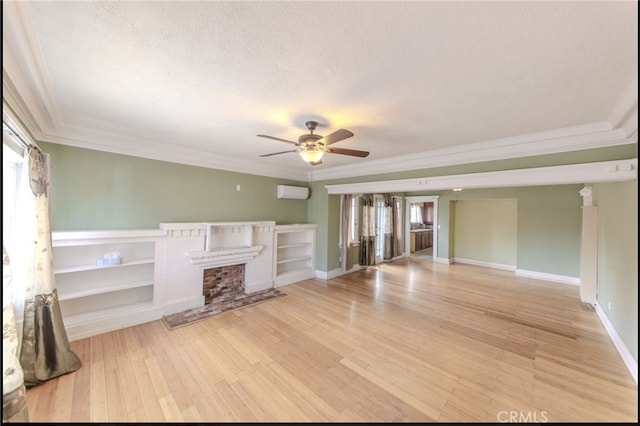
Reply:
x=192, y=247
x=224, y=256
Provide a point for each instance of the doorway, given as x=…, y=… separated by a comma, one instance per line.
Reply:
x=421, y=227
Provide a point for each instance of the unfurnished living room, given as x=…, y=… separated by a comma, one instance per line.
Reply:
x=351, y=211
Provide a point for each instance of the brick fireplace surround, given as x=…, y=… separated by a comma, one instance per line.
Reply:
x=223, y=290
x=223, y=283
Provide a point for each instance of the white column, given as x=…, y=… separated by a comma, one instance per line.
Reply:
x=589, y=248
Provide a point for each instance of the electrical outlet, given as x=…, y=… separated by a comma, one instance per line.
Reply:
x=609, y=306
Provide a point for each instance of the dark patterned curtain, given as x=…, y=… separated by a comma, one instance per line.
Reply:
x=393, y=226
x=368, y=236
x=45, y=351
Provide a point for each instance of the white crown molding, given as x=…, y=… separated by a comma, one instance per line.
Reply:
x=624, y=113
x=587, y=136
x=606, y=171
x=22, y=60
x=144, y=148
x=11, y=101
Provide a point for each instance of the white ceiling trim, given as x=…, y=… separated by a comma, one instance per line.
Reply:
x=624, y=113
x=588, y=136
x=145, y=149
x=586, y=173
x=171, y=153
x=23, y=59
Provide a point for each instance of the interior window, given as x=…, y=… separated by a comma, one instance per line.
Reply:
x=416, y=213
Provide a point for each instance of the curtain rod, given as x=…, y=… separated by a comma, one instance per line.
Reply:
x=6, y=127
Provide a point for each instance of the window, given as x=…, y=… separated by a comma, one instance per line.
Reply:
x=11, y=170
x=416, y=213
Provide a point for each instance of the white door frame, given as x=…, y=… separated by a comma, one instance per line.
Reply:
x=407, y=222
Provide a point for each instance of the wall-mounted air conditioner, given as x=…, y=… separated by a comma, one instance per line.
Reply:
x=293, y=192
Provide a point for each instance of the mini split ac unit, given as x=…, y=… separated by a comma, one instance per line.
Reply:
x=293, y=192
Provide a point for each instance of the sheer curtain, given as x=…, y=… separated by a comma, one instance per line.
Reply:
x=397, y=226
x=388, y=227
x=345, y=239
x=368, y=237
x=14, y=397
x=45, y=351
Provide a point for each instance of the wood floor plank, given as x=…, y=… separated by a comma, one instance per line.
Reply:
x=406, y=341
x=82, y=381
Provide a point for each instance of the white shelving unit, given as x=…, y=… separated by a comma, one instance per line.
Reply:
x=295, y=250
x=97, y=299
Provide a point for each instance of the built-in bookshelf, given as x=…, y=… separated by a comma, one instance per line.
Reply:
x=294, y=258
x=105, y=279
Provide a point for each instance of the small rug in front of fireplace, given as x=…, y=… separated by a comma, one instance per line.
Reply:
x=227, y=303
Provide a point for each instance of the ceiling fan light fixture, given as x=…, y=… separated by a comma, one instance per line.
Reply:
x=312, y=147
x=311, y=155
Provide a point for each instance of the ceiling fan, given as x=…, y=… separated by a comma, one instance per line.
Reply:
x=312, y=147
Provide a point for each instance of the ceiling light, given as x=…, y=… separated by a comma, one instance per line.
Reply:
x=457, y=189
x=311, y=154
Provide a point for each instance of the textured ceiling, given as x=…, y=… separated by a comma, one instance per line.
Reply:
x=199, y=80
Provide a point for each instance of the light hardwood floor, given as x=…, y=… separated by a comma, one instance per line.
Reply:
x=405, y=341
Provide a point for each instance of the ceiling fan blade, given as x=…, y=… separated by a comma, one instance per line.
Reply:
x=277, y=139
x=276, y=153
x=352, y=152
x=336, y=136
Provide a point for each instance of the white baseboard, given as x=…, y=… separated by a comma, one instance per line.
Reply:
x=564, y=279
x=337, y=272
x=258, y=286
x=82, y=330
x=625, y=354
x=443, y=260
x=484, y=264
x=324, y=275
x=182, y=305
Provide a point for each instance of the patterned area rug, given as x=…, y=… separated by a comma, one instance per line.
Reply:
x=229, y=302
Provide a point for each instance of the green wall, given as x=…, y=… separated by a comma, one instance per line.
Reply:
x=549, y=225
x=320, y=201
x=98, y=190
x=549, y=229
x=486, y=230
x=618, y=257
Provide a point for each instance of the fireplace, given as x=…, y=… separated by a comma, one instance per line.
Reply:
x=192, y=248
x=222, y=282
